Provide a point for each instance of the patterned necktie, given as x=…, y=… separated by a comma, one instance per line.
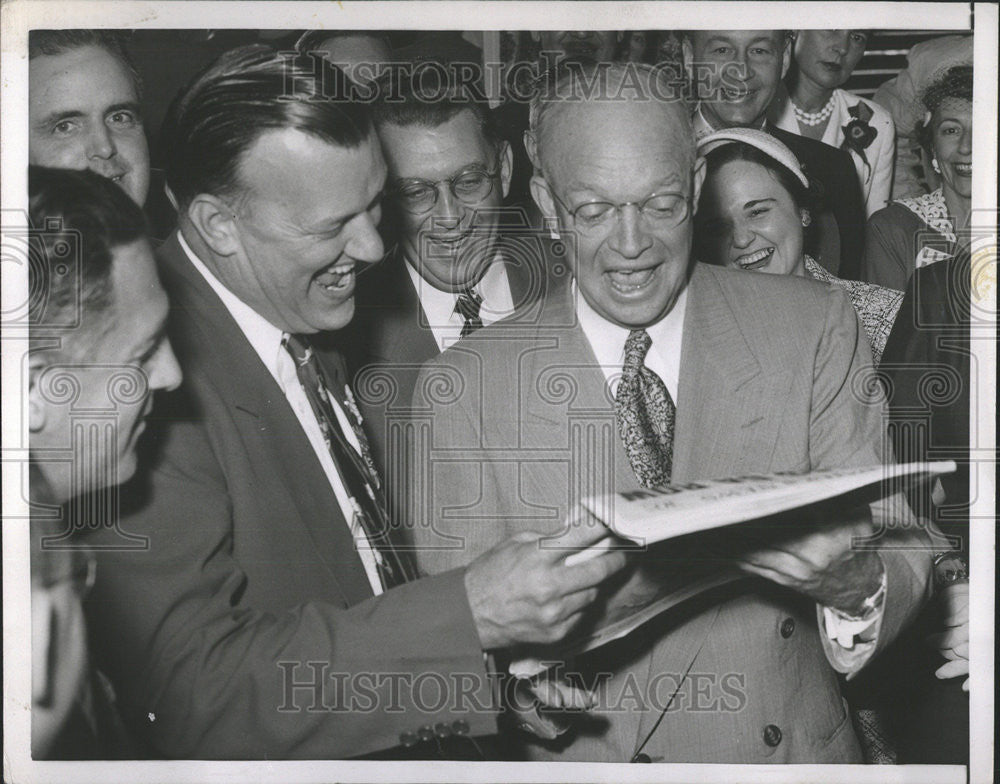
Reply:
x=645, y=414
x=467, y=306
x=357, y=472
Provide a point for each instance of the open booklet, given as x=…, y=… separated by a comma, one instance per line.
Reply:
x=684, y=550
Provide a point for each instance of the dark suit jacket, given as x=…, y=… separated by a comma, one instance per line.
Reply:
x=389, y=339
x=248, y=581
x=842, y=196
x=773, y=376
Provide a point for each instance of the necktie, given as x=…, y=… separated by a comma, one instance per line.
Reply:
x=357, y=472
x=645, y=414
x=467, y=306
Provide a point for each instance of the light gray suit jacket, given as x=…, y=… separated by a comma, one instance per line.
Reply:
x=512, y=426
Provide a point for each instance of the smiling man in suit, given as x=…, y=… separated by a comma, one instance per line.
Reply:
x=736, y=74
x=270, y=615
x=650, y=369
x=461, y=260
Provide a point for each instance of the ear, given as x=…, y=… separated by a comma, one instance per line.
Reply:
x=506, y=167
x=786, y=56
x=687, y=52
x=700, y=168
x=215, y=223
x=543, y=197
x=531, y=147
x=806, y=218
x=37, y=409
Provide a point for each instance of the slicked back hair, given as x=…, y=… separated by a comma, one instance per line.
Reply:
x=246, y=92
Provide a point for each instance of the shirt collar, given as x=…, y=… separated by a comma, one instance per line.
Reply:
x=263, y=336
x=439, y=306
x=702, y=127
x=608, y=340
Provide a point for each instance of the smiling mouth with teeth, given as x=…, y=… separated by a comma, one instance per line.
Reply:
x=336, y=279
x=755, y=260
x=630, y=281
x=965, y=169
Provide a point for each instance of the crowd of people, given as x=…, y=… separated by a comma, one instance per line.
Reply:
x=395, y=339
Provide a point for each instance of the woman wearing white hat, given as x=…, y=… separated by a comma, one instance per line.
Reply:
x=752, y=215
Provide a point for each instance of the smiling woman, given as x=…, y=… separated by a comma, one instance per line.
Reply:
x=752, y=214
x=913, y=232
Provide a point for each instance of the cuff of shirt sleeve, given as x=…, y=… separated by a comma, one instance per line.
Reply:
x=849, y=642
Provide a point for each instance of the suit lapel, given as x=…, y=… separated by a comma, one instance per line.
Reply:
x=276, y=445
x=720, y=399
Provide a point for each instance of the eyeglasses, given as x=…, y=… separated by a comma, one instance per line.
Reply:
x=661, y=211
x=469, y=187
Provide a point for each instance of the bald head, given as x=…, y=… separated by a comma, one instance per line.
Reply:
x=608, y=103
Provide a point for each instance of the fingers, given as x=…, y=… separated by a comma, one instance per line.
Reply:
x=560, y=695
x=592, y=571
x=950, y=639
x=953, y=669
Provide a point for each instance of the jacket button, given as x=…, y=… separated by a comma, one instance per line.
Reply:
x=460, y=727
x=408, y=739
x=787, y=627
x=442, y=730
x=772, y=734
x=642, y=757
x=425, y=733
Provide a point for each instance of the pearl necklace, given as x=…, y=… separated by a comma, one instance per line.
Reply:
x=813, y=118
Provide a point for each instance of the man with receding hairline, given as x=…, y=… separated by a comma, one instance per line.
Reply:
x=653, y=369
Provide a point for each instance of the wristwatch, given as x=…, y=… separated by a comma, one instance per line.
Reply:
x=950, y=568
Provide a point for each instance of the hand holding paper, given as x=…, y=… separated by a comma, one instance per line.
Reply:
x=523, y=590
x=823, y=563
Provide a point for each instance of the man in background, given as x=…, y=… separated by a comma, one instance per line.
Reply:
x=84, y=112
x=460, y=259
x=99, y=327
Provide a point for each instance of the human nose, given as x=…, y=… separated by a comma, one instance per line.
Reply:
x=448, y=210
x=965, y=142
x=741, y=235
x=840, y=40
x=366, y=242
x=630, y=239
x=100, y=143
x=166, y=373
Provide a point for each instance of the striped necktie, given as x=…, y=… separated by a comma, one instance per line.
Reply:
x=357, y=472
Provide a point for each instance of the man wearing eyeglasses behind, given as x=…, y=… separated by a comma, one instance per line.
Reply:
x=460, y=261
x=651, y=370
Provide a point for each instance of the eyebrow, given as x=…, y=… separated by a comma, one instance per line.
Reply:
x=72, y=114
x=754, y=202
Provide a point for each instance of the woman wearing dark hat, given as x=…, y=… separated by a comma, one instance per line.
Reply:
x=752, y=215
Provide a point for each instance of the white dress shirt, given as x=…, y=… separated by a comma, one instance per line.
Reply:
x=607, y=341
x=265, y=338
x=439, y=306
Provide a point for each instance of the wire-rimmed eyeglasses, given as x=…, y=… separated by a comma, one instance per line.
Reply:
x=660, y=210
x=469, y=186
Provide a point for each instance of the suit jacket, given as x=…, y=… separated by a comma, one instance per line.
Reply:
x=521, y=426
x=247, y=584
x=842, y=196
x=389, y=339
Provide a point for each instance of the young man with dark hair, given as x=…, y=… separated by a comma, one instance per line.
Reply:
x=97, y=330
